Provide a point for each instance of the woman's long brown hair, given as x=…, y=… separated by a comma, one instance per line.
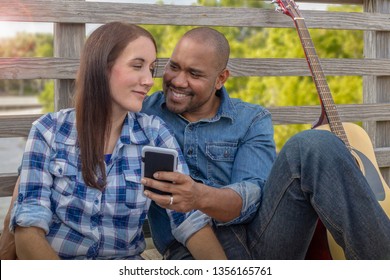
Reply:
x=93, y=99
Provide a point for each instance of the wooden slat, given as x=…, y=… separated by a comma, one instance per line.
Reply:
x=16, y=125
x=38, y=68
x=66, y=68
x=298, y=67
x=348, y=113
x=100, y=12
x=68, y=42
x=19, y=126
x=383, y=156
x=7, y=183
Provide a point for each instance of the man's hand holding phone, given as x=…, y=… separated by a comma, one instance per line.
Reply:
x=168, y=188
x=183, y=189
x=156, y=159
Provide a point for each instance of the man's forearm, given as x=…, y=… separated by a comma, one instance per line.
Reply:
x=222, y=205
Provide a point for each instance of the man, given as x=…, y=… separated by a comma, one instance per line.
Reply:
x=229, y=149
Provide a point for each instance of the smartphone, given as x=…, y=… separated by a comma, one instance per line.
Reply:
x=158, y=159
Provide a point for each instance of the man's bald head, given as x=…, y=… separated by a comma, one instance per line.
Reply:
x=211, y=38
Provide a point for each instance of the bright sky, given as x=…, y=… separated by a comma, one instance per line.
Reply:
x=9, y=29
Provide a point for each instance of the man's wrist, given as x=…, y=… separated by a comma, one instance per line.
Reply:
x=200, y=202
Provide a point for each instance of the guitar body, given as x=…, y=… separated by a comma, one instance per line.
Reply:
x=363, y=152
x=323, y=246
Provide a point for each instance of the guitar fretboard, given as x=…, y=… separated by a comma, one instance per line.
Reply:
x=327, y=103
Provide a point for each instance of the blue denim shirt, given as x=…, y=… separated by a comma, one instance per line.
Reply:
x=235, y=149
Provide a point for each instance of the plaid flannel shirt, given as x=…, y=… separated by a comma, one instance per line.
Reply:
x=83, y=222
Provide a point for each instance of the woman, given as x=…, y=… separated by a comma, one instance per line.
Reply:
x=80, y=195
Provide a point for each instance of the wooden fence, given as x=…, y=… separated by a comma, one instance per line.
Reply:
x=70, y=18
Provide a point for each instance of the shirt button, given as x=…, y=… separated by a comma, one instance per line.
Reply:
x=60, y=170
x=96, y=201
x=190, y=151
x=20, y=197
x=93, y=251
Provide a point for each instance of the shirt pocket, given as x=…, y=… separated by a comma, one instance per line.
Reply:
x=65, y=199
x=135, y=200
x=223, y=153
x=64, y=176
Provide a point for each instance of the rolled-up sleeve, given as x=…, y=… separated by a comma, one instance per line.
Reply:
x=33, y=206
x=251, y=198
x=252, y=164
x=195, y=221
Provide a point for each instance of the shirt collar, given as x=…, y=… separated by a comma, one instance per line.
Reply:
x=66, y=131
x=226, y=108
x=132, y=131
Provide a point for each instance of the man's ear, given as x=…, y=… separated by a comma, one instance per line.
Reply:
x=221, y=79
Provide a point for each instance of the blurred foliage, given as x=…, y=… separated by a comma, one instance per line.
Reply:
x=25, y=45
x=245, y=42
x=46, y=97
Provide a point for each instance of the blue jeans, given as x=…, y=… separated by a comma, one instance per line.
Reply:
x=314, y=176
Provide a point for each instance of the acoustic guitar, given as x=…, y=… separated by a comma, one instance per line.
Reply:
x=355, y=138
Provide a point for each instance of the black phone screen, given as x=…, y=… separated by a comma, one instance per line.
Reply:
x=154, y=162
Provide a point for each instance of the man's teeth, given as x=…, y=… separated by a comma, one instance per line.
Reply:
x=178, y=95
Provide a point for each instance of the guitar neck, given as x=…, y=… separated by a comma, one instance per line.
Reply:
x=327, y=104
